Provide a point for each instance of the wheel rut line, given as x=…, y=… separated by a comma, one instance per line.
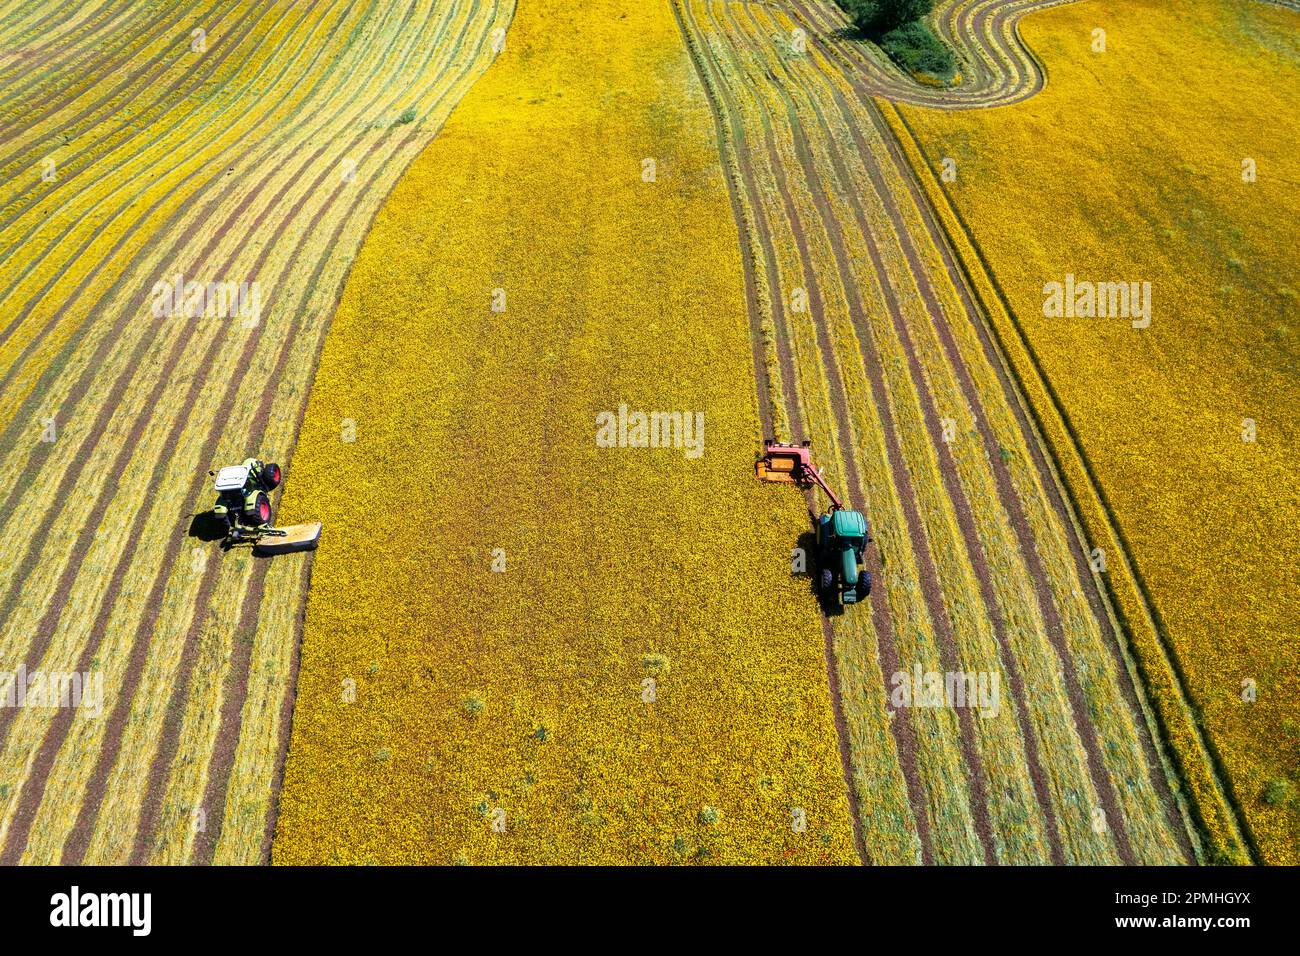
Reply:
x=946, y=464
x=738, y=147
x=927, y=572
x=902, y=730
x=201, y=378
x=286, y=714
x=1096, y=767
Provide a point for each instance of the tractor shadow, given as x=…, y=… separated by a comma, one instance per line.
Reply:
x=807, y=543
x=207, y=527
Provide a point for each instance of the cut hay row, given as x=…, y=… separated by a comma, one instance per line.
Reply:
x=195, y=647
x=937, y=508
x=45, y=36
x=1138, y=458
x=995, y=67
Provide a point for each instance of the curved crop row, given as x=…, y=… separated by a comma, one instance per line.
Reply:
x=978, y=575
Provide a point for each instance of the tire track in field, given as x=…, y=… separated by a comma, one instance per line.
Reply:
x=948, y=468
x=1088, y=734
x=401, y=148
x=1007, y=495
x=712, y=77
x=1101, y=779
x=890, y=657
x=1086, y=580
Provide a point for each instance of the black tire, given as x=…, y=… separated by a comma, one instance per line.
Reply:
x=271, y=476
x=864, y=585
x=260, y=513
x=827, y=581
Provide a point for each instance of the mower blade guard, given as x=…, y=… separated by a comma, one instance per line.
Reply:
x=296, y=537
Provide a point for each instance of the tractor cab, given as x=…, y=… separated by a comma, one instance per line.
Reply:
x=243, y=500
x=232, y=478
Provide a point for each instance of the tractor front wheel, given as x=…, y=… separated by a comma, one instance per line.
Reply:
x=271, y=476
x=827, y=581
x=864, y=585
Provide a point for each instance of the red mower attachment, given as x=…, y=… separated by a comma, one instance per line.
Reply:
x=791, y=464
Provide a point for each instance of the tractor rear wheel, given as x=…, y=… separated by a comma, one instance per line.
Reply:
x=271, y=476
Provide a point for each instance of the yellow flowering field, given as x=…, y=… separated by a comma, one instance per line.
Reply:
x=521, y=646
x=228, y=142
x=1163, y=155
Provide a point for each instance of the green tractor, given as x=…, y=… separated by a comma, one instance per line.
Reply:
x=841, y=541
x=842, y=533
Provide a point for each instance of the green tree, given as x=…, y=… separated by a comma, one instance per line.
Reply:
x=875, y=17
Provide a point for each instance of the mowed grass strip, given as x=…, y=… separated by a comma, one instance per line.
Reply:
x=195, y=709
x=1161, y=413
x=893, y=296
x=448, y=712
